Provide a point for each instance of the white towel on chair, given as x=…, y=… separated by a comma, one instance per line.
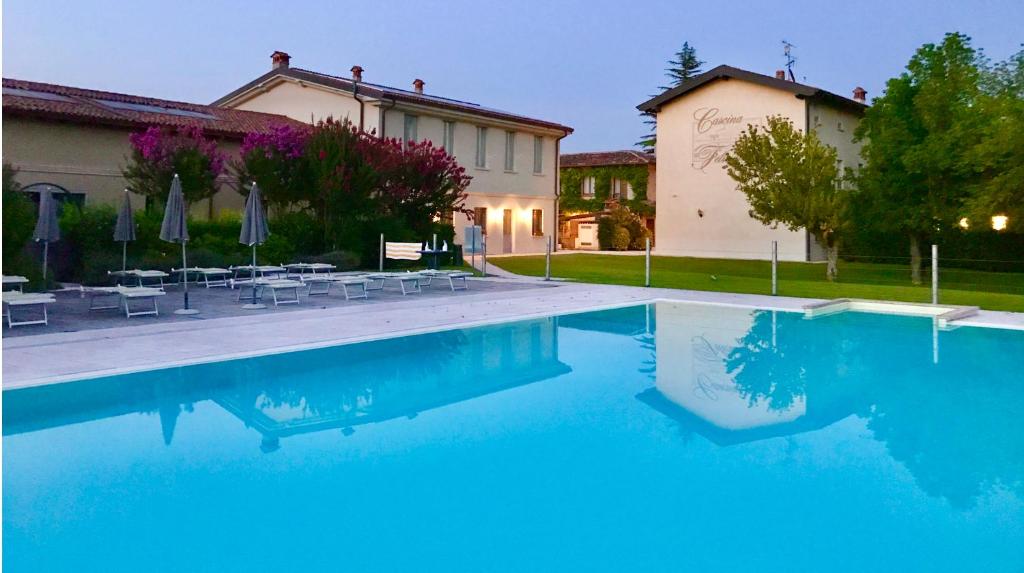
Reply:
x=403, y=251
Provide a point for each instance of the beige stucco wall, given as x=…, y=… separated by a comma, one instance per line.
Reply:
x=685, y=184
x=492, y=187
x=88, y=159
x=309, y=104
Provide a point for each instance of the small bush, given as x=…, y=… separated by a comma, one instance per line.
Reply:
x=620, y=242
x=343, y=260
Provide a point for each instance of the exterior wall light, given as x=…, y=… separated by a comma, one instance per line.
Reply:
x=964, y=223
x=700, y=213
x=999, y=222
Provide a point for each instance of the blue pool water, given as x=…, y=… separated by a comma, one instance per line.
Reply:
x=653, y=438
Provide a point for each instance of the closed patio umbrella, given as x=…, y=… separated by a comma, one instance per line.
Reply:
x=124, y=230
x=174, y=229
x=47, y=226
x=254, y=232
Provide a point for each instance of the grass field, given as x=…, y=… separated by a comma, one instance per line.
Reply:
x=988, y=290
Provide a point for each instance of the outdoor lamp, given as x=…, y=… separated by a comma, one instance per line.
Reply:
x=999, y=222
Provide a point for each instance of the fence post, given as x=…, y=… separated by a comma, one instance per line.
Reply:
x=483, y=257
x=647, y=263
x=547, y=261
x=775, y=268
x=381, y=269
x=935, y=274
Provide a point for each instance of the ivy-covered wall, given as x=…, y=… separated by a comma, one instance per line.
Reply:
x=572, y=177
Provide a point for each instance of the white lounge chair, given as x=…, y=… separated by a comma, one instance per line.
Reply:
x=124, y=297
x=20, y=300
x=211, y=276
x=242, y=272
x=140, y=276
x=14, y=282
x=273, y=285
x=456, y=279
x=409, y=282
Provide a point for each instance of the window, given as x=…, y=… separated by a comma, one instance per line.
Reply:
x=538, y=223
x=538, y=154
x=587, y=187
x=510, y=151
x=480, y=218
x=412, y=123
x=481, y=147
x=449, y=137
x=621, y=190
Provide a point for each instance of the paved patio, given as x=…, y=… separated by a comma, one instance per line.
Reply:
x=224, y=331
x=71, y=311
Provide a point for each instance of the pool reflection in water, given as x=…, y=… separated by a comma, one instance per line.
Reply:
x=664, y=437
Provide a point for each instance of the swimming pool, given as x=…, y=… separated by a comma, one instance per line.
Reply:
x=663, y=437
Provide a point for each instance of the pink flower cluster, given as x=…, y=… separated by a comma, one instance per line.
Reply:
x=286, y=140
x=160, y=146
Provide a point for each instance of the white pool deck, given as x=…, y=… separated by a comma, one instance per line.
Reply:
x=61, y=357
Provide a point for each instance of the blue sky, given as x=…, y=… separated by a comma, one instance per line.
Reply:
x=585, y=64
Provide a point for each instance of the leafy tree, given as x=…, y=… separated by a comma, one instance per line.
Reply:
x=274, y=160
x=791, y=178
x=917, y=136
x=684, y=65
x=158, y=153
x=996, y=162
x=18, y=222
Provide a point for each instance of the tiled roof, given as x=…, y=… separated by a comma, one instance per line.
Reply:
x=51, y=101
x=379, y=91
x=606, y=158
x=720, y=72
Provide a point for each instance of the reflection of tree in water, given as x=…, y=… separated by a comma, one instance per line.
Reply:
x=957, y=426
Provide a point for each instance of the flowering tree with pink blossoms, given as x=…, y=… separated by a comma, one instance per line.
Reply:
x=274, y=160
x=159, y=152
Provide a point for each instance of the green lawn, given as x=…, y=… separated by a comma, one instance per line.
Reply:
x=989, y=290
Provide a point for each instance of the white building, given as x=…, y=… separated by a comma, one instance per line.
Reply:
x=701, y=213
x=513, y=159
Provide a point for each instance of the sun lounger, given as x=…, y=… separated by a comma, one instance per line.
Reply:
x=123, y=297
x=456, y=279
x=20, y=300
x=273, y=285
x=140, y=276
x=14, y=282
x=211, y=276
x=300, y=270
x=410, y=282
x=242, y=272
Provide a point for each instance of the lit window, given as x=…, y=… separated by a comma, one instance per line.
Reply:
x=449, y=137
x=538, y=154
x=412, y=123
x=587, y=187
x=510, y=151
x=481, y=147
x=538, y=223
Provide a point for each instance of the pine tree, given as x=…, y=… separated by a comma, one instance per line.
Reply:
x=683, y=65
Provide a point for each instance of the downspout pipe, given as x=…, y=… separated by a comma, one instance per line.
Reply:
x=558, y=188
x=384, y=117
x=362, y=111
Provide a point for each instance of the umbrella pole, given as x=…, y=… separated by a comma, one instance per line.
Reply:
x=124, y=256
x=184, y=274
x=46, y=252
x=254, y=305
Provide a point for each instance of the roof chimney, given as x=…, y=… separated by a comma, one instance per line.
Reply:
x=780, y=74
x=279, y=60
x=417, y=85
x=860, y=94
x=357, y=73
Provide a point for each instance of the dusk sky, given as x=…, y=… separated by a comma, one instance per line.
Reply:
x=584, y=64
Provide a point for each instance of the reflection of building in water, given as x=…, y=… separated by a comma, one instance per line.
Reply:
x=700, y=368
x=368, y=383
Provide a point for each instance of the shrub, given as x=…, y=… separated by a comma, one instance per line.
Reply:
x=620, y=242
x=19, y=217
x=343, y=260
